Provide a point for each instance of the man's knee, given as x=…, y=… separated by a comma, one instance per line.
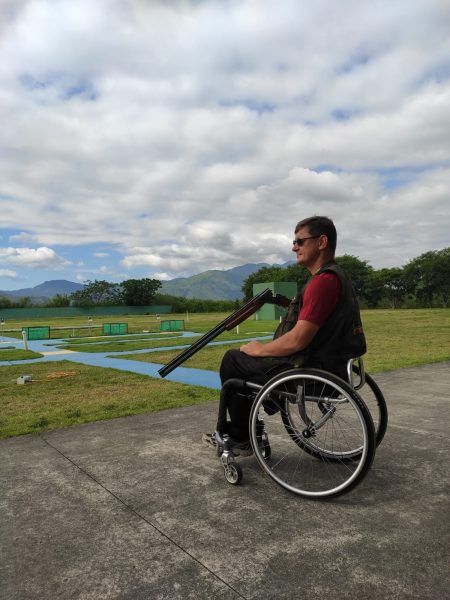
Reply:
x=228, y=364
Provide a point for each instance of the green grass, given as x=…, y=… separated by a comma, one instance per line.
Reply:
x=136, y=324
x=120, y=346
x=87, y=394
x=17, y=354
x=395, y=339
x=118, y=338
x=133, y=344
x=208, y=358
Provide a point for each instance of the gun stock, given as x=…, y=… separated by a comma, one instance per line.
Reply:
x=240, y=315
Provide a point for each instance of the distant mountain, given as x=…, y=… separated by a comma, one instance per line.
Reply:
x=45, y=290
x=211, y=285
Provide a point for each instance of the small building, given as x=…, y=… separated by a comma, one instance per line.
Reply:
x=272, y=312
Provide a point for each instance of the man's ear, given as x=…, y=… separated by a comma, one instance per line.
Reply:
x=323, y=242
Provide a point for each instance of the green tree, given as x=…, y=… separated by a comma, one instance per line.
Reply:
x=373, y=289
x=428, y=276
x=24, y=302
x=97, y=292
x=357, y=270
x=5, y=302
x=139, y=292
x=393, y=284
x=59, y=300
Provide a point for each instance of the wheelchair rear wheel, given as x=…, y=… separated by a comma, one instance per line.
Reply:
x=322, y=439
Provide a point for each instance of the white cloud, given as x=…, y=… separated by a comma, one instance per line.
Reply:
x=162, y=276
x=195, y=135
x=8, y=273
x=23, y=236
x=35, y=258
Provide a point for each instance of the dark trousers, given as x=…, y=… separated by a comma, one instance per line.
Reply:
x=238, y=365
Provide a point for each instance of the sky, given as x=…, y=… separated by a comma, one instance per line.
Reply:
x=146, y=138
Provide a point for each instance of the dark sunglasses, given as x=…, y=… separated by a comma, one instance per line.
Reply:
x=301, y=241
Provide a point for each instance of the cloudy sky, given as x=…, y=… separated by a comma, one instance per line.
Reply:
x=147, y=138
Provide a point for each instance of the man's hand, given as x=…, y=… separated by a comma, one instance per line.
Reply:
x=252, y=348
x=294, y=340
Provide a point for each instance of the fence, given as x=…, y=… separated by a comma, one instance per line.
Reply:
x=37, y=333
x=75, y=311
x=172, y=325
x=115, y=328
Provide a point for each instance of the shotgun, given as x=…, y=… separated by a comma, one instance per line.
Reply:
x=240, y=315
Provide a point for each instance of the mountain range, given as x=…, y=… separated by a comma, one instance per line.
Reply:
x=44, y=291
x=212, y=285
x=209, y=285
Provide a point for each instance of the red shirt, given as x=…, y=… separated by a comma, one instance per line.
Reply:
x=320, y=298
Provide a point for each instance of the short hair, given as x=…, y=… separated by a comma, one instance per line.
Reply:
x=320, y=226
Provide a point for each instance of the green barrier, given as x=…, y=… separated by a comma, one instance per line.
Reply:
x=174, y=325
x=37, y=333
x=115, y=328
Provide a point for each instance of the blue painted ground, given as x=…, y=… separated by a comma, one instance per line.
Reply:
x=190, y=376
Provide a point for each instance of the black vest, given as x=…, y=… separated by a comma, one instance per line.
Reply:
x=339, y=339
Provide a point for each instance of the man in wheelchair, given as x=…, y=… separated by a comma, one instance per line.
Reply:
x=322, y=329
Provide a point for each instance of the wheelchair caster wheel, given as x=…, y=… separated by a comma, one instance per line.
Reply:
x=233, y=473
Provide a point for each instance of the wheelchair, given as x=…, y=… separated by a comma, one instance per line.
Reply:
x=311, y=432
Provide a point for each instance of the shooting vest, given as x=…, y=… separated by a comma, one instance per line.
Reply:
x=339, y=339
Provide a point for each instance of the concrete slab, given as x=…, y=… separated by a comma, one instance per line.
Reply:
x=136, y=508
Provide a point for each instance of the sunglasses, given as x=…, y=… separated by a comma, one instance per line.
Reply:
x=301, y=241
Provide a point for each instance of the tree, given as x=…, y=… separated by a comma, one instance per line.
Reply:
x=357, y=271
x=59, y=300
x=428, y=276
x=5, y=302
x=97, y=292
x=24, y=302
x=139, y=292
x=393, y=284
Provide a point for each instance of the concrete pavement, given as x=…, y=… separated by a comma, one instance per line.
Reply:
x=136, y=508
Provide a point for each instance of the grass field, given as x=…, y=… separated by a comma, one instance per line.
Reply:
x=63, y=393
x=67, y=327
x=17, y=354
x=396, y=338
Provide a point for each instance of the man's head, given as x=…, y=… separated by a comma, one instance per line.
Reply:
x=315, y=242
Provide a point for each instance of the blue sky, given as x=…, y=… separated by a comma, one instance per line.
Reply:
x=161, y=139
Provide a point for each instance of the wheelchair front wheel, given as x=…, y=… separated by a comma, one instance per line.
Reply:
x=233, y=473
x=322, y=440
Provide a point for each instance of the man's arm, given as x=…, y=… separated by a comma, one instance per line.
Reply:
x=294, y=340
x=319, y=301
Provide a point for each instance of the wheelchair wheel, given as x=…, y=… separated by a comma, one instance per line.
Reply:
x=322, y=439
x=374, y=400
x=233, y=473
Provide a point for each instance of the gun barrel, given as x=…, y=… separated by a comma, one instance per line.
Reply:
x=232, y=321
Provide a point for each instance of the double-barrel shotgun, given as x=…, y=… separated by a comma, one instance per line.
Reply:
x=239, y=315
